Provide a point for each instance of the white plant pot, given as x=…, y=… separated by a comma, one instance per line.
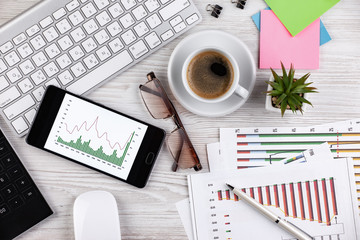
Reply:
x=269, y=106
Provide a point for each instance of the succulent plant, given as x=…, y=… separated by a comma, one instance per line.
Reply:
x=288, y=92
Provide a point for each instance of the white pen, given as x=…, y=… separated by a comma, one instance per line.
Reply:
x=289, y=227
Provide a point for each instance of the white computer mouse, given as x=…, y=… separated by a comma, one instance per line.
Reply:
x=96, y=216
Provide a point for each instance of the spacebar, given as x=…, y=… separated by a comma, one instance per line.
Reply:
x=101, y=73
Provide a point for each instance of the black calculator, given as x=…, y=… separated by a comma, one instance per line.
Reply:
x=21, y=203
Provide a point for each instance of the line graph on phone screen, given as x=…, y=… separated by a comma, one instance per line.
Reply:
x=95, y=136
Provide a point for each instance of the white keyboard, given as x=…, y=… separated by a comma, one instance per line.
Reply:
x=78, y=45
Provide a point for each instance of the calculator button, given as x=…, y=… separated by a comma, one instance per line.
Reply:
x=9, y=191
x=4, y=179
x=29, y=193
x=4, y=210
x=15, y=172
x=8, y=160
x=22, y=183
x=15, y=202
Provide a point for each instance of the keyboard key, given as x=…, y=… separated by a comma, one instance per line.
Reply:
x=181, y=26
x=14, y=75
x=152, y=5
x=138, y=49
x=101, y=3
x=51, y=69
x=193, y=18
x=166, y=35
x=39, y=93
x=19, y=39
x=33, y=30
x=4, y=179
x=89, y=45
x=20, y=125
x=72, y=5
x=9, y=191
x=88, y=10
x=114, y=29
x=78, y=69
x=128, y=3
x=39, y=59
x=18, y=107
x=76, y=53
x=3, y=67
x=103, y=53
x=78, y=34
x=116, y=45
x=59, y=13
x=29, y=193
x=8, y=96
x=175, y=21
x=4, y=210
x=16, y=202
x=173, y=8
x=52, y=82
x=65, y=77
x=102, y=37
x=6, y=47
x=15, y=172
x=37, y=42
x=27, y=67
x=50, y=34
x=63, y=26
x=153, y=21
x=12, y=58
x=22, y=183
x=91, y=61
x=76, y=18
x=139, y=12
x=128, y=37
x=65, y=43
x=63, y=61
x=25, y=85
x=102, y=72
x=3, y=83
x=153, y=40
x=141, y=29
x=30, y=115
x=90, y=26
x=103, y=18
x=46, y=22
x=38, y=77
x=127, y=20
x=25, y=50
x=52, y=51
x=116, y=10
x=3, y=148
x=8, y=160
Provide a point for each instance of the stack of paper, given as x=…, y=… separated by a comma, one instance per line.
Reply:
x=313, y=191
x=291, y=32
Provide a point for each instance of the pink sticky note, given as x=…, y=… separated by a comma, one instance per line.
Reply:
x=277, y=44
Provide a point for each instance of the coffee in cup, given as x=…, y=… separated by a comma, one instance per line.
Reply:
x=212, y=75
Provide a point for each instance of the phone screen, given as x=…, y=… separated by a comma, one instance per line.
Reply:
x=95, y=136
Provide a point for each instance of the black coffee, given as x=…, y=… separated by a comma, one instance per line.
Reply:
x=210, y=74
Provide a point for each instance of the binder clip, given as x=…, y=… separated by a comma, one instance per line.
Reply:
x=239, y=3
x=215, y=10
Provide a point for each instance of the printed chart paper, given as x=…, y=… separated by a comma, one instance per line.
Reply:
x=319, y=198
x=297, y=15
x=277, y=45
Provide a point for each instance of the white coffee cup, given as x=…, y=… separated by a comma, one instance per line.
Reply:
x=235, y=86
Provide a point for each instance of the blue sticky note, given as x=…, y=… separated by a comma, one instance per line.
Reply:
x=324, y=35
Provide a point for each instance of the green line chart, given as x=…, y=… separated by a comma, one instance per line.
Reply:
x=84, y=146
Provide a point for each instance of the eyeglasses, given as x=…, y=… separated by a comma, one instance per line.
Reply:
x=160, y=107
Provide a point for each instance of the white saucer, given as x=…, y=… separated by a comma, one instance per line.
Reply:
x=211, y=38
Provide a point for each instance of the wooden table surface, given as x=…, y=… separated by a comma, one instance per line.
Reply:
x=150, y=213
